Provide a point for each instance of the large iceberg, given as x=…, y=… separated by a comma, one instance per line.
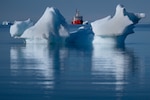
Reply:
x=50, y=28
x=115, y=29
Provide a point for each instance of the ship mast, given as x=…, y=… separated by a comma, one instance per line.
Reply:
x=77, y=13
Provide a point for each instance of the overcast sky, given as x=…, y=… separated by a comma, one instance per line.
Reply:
x=90, y=9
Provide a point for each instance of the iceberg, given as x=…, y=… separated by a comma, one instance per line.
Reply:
x=53, y=28
x=115, y=29
x=50, y=28
x=17, y=29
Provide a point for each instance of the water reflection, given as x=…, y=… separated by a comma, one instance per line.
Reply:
x=60, y=72
x=32, y=62
x=112, y=65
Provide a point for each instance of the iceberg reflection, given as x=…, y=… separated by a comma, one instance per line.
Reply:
x=33, y=63
x=62, y=71
x=111, y=65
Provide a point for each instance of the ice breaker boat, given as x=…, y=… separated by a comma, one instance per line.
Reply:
x=77, y=19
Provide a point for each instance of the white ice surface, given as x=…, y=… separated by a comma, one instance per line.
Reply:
x=19, y=27
x=116, y=25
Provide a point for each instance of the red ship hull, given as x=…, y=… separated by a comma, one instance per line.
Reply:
x=77, y=22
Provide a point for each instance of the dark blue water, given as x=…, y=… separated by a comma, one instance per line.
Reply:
x=52, y=72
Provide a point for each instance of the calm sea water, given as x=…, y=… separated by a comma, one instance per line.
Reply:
x=42, y=72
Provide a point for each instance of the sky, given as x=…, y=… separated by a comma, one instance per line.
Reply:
x=91, y=10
